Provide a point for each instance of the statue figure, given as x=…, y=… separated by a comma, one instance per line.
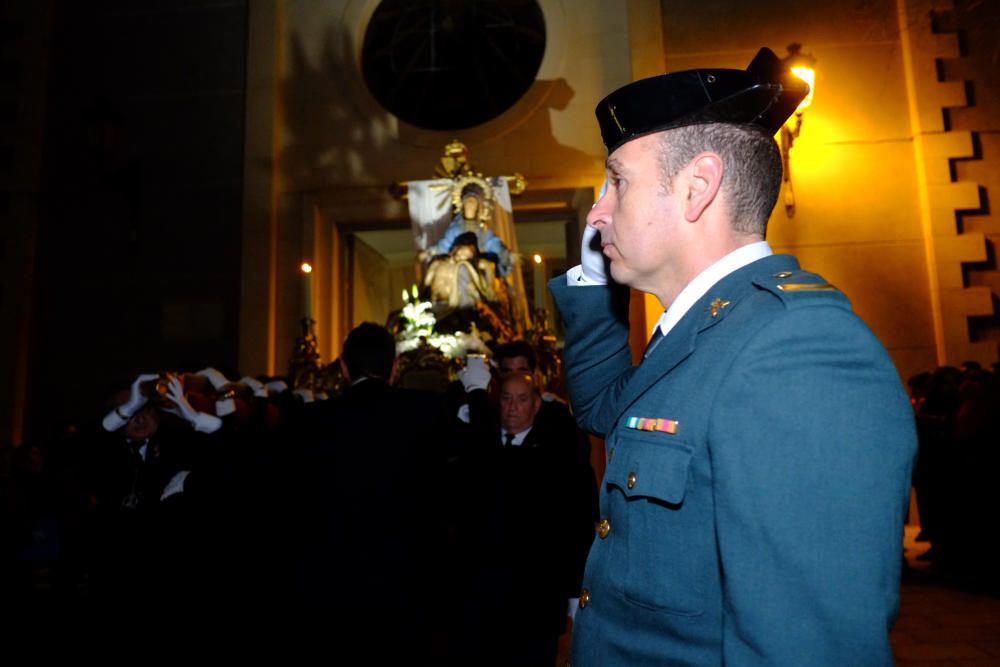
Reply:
x=479, y=278
x=455, y=161
x=456, y=278
x=473, y=217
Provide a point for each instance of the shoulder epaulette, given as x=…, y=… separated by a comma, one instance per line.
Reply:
x=801, y=288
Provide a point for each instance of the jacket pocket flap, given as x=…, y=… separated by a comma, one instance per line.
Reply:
x=653, y=465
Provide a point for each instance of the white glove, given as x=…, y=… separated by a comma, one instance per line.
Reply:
x=322, y=396
x=277, y=386
x=225, y=406
x=217, y=379
x=136, y=399
x=118, y=417
x=305, y=394
x=475, y=375
x=202, y=423
x=592, y=260
x=256, y=385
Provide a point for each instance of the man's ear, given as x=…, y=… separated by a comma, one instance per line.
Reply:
x=343, y=369
x=703, y=183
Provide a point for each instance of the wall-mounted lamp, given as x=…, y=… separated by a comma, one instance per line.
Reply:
x=802, y=66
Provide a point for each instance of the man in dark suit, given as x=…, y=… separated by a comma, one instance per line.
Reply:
x=366, y=575
x=518, y=356
x=759, y=455
x=148, y=545
x=530, y=506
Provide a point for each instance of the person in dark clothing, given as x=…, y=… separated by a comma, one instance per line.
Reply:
x=530, y=506
x=372, y=538
x=147, y=547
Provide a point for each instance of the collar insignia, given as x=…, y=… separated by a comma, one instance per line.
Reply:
x=716, y=306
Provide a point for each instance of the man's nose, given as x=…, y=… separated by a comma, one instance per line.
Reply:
x=600, y=215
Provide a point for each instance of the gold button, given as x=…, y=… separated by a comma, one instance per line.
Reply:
x=603, y=528
x=584, y=598
x=631, y=480
x=782, y=274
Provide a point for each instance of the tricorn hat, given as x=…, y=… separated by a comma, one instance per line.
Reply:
x=764, y=95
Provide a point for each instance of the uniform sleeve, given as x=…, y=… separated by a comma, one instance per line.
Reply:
x=812, y=443
x=597, y=355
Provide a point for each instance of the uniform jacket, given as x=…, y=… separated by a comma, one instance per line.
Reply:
x=758, y=473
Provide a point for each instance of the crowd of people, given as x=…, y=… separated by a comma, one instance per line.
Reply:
x=381, y=511
x=958, y=428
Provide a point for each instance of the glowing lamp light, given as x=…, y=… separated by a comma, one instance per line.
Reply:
x=538, y=259
x=306, y=267
x=807, y=74
x=801, y=65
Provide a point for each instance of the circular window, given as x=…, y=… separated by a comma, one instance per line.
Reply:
x=452, y=64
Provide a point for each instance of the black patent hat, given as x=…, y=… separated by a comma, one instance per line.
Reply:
x=765, y=95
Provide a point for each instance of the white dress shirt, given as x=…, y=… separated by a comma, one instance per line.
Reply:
x=697, y=288
x=518, y=437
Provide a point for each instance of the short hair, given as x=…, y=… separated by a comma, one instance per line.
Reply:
x=751, y=167
x=526, y=378
x=516, y=348
x=369, y=351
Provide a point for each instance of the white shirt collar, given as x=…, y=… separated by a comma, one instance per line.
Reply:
x=143, y=448
x=518, y=437
x=703, y=282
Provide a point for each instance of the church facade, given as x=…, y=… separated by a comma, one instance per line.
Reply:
x=261, y=136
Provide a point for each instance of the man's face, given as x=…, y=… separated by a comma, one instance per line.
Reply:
x=517, y=364
x=143, y=424
x=519, y=403
x=640, y=222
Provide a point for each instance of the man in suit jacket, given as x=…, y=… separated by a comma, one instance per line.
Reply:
x=530, y=504
x=367, y=575
x=759, y=455
x=148, y=543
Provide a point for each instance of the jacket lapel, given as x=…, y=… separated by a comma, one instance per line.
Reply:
x=672, y=350
x=711, y=309
x=532, y=440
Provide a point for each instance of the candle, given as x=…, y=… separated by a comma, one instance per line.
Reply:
x=306, y=289
x=539, y=282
